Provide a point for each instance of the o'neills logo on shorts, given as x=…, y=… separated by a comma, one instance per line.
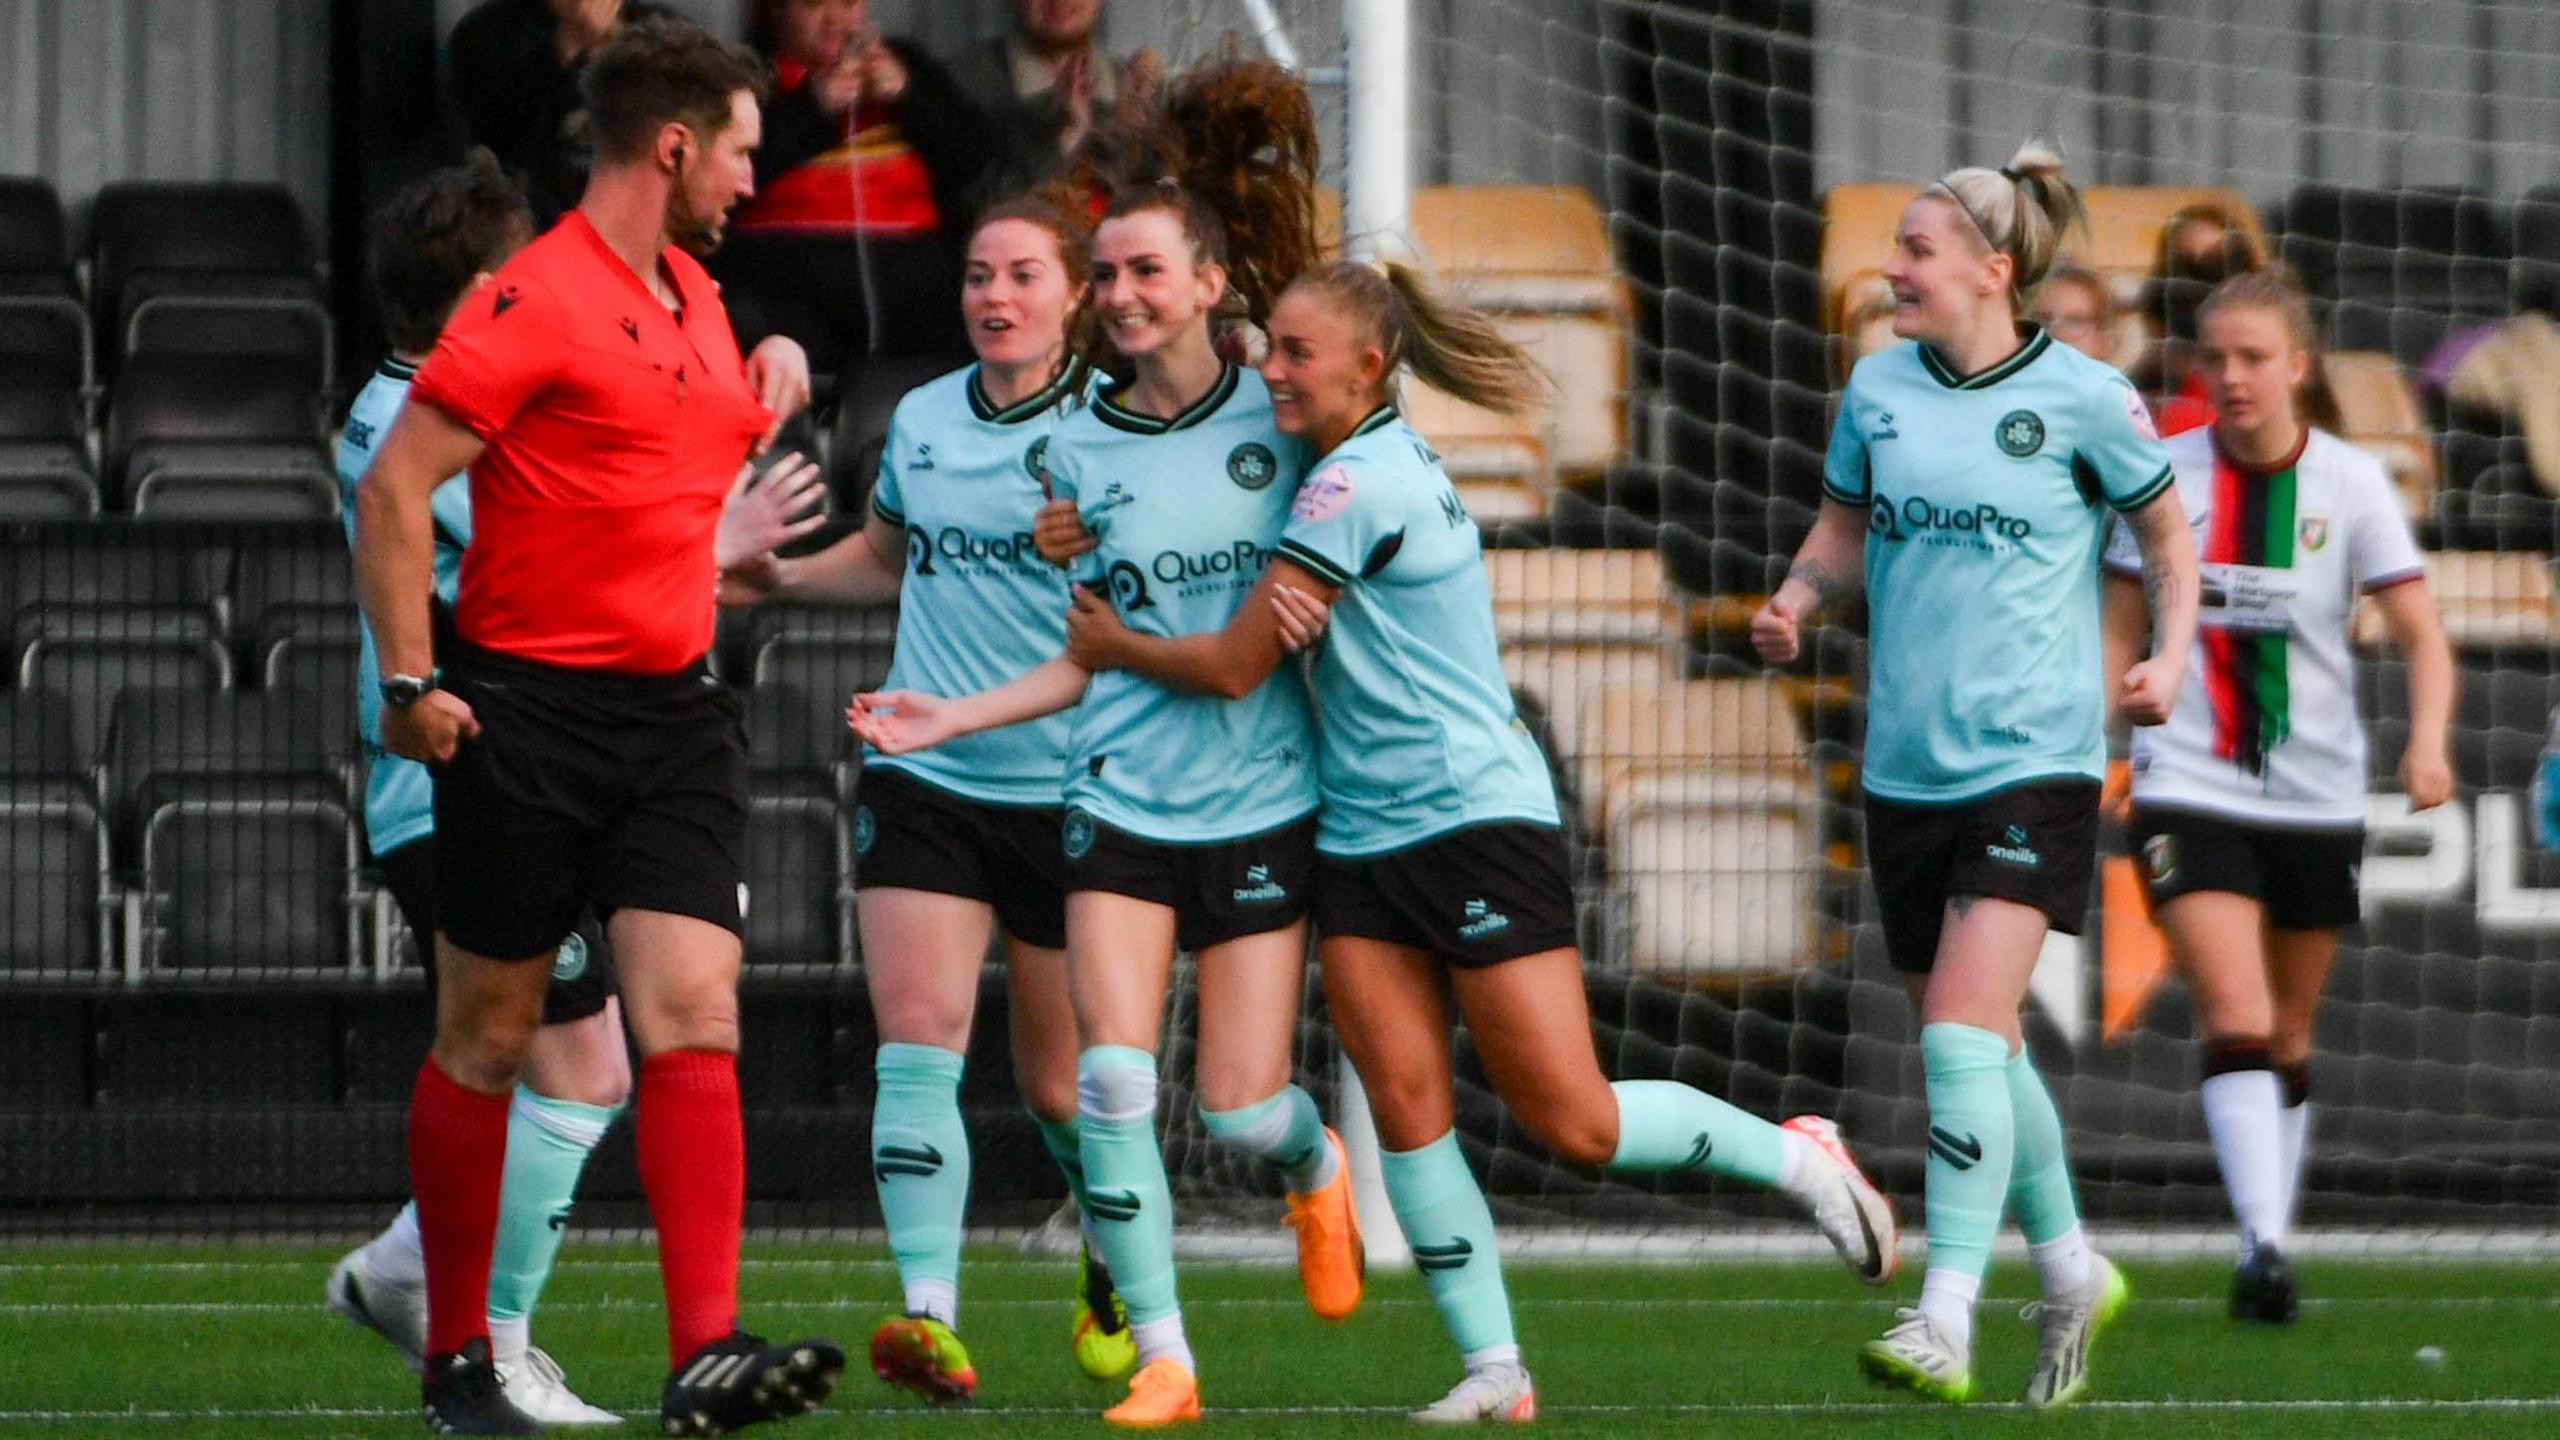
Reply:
x=1482, y=920
x=1258, y=886
x=2016, y=850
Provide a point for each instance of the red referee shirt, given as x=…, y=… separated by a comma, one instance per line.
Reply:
x=615, y=429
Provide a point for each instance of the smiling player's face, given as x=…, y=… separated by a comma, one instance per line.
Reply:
x=1940, y=271
x=1148, y=283
x=1324, y=378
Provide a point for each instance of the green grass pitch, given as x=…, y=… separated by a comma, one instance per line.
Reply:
x=232, y=1341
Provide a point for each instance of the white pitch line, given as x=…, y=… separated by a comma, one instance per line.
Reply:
x=2498, y=1403
x=2178, y=1303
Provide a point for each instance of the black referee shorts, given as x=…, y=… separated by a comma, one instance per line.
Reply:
x=582, y=973
x=587, y=790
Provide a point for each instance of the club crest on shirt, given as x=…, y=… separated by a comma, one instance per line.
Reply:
x=1326, y=494
x=1036, y=460
x=2313, y=531
x=1252, y=465
x=2020, y=434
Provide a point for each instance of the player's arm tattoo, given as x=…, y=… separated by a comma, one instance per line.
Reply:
x=2169, y=582
x=1829, y=588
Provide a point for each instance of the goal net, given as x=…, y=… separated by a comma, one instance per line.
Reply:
x=1683, y=208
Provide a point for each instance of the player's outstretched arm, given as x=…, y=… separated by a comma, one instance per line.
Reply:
x=865, y=567
x=1830, y=566
x=899, y=721
x=2426, y=766
x=2149, y=690
x=1230, y=663
x=395, y=550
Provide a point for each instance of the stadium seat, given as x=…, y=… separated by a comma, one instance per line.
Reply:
x=44, y=376
x=220, y=329
x=1636, y=733
x=185, y=440
x=1579, y=595
x=795, y=745
x=826, y=652
x=305, y=581
x=258, y=885
x=53, y=910
x=314, y=661
x=2489, y=600
x=93, y=670
x=154, y=238
x=1537, y=259
x=35, y=253
x=238, y=806
x=1557, y=674
x=868, y=397
x=1858, y=224
x=49, y=573
x=799, y=883
x=2534, y=283
x=2381, y=417
x=1714, y=874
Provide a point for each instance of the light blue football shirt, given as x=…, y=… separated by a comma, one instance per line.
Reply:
x=979, y=607
x=1186, y=512
x=1417, y=733
x=1986, y=500
x=399, y=796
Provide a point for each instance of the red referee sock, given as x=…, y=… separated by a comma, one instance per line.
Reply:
x=693, y=1165
x=457, y=1161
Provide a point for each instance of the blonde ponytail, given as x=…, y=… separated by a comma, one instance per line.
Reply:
x=1454, y=347
x=2021, y=210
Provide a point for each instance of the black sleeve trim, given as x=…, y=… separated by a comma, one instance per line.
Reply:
x=2147, y=493
x=1323, y=568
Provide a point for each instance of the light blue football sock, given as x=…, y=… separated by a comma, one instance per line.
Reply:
x=920, y=1161
x=1665, y=1125
x=1450, y=1230
x=548, y=1142
x=1972, y=1143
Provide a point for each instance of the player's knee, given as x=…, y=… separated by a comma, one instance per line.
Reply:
x=1412, y=1109
x=1580, y=1133
x=941, y=1021
x=685, y=1017
x=488, y=1055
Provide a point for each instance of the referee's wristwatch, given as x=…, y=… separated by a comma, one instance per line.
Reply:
x=399, y=692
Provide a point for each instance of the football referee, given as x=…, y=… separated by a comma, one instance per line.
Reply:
x=584, y=754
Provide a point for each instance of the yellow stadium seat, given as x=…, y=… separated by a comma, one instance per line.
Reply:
x=1580, y=595
x=1537, y=259
x=1558, y=673
x=1739, y=727
x=2487, y=599
x=1494, y=499
x=2380, y=415
x=1858, y=222
x=1714, y=876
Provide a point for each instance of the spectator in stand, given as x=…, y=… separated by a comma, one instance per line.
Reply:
x=514, y=67
x=2201, y=246
x=2075, y=307
x=869, y=154
x=1040, y=87
x=2510, y=369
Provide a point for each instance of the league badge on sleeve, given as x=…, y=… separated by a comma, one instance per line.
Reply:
x=1326, y=493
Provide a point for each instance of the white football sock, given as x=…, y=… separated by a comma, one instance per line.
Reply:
x=2240, y=1110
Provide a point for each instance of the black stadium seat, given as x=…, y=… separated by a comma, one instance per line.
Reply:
x=155, y=238
x=93, y=670
x=35, y=253
x=799, y=894
x=239, y=810
x=191, y=439
x=2398, y=268
x=795, y=746
x=52, y=846
x=44, y=410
